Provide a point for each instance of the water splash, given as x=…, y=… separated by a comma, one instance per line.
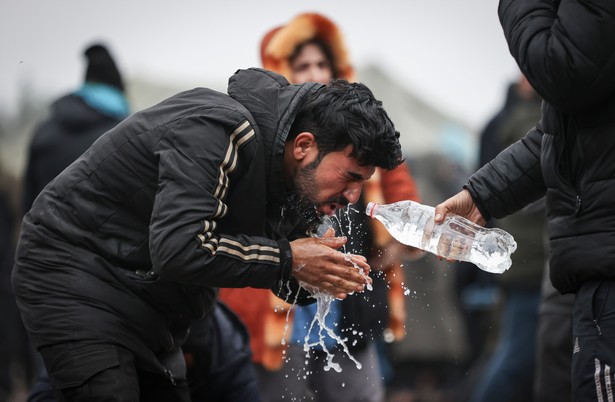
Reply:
x=368, y=285
x=323, y=307
x=323, y=303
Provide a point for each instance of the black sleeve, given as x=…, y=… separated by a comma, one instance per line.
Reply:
x=510, y=181
x=565, y=48
x=197, y=161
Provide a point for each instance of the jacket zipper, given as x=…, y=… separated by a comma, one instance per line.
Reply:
x=170, y=375
x=577, y=207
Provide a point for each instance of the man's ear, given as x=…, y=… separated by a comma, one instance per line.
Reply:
x=304, y=145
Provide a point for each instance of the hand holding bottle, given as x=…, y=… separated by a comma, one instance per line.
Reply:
x=450, y=236
x=460, y=204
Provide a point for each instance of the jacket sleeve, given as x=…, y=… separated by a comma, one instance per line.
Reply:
x=512, y=180
x=565, y=48
x=198, y=161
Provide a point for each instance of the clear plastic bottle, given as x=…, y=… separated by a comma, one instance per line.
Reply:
x=457, y=238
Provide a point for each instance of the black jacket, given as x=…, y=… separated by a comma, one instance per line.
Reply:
x=567, y=52
x=134, y=236
x=71, y=128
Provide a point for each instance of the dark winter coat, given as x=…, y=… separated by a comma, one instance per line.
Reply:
x=71, y=128
x=127, y=244
x=567, y=52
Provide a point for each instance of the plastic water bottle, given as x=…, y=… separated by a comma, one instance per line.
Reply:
x=457, y=238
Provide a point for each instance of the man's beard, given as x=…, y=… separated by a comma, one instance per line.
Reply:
x=302, y=203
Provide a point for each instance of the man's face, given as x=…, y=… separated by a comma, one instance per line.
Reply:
x=311, y=65
x=333, y=182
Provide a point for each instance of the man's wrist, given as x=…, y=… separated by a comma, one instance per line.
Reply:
x=286, y=260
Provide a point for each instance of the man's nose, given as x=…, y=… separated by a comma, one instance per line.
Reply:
x=353, y=192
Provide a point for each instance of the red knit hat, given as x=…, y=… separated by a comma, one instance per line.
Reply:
x=279, y=44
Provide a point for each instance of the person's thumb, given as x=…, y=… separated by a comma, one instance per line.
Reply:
x=440, y=213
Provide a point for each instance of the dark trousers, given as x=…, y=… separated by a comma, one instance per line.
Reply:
x=593, y=354
x=102, y=372
x=553, y=358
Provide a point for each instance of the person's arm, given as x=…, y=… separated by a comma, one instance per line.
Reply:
x=503, y=186
x=198, y=164
x=565, y=48
x=512, y=180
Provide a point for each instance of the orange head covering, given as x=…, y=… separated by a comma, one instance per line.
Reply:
x=279, y=44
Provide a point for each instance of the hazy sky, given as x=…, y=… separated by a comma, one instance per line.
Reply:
x=452, y=53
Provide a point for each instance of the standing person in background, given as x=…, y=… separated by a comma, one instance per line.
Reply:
x=310, y=48
x=566, y=49
x=14, y=351
x=508, y=374
x=76, y=121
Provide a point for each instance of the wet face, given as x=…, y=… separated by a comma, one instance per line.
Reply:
x=311, y=65
x=332, y=182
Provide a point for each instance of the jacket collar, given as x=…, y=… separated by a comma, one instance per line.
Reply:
x=273, y=103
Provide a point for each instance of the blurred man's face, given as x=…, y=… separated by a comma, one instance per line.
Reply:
x=311, y=65
x=332, y=182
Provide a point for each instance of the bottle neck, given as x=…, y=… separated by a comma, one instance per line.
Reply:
x=371, y=208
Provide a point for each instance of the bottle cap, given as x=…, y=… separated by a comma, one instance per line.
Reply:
x=371, y=208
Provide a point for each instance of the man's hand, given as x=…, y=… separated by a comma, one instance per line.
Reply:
x=460, y=204
x=317, y=263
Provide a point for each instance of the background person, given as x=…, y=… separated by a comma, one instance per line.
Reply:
x=15, y=356
x=76, y=121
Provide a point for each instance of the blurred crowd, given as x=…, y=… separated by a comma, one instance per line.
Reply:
x=431, y=331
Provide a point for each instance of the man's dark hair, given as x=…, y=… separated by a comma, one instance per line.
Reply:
x=341, y=114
